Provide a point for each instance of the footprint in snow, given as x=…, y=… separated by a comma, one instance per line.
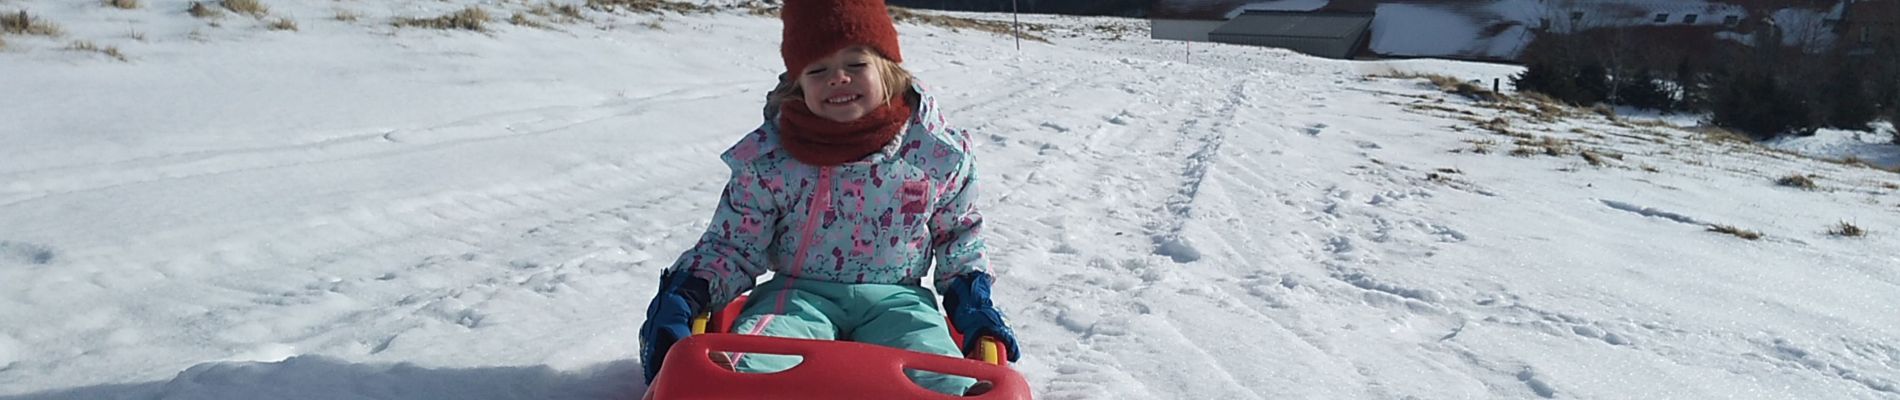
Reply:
x=12, y=252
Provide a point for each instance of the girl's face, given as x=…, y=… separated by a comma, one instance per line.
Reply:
x=844, y=86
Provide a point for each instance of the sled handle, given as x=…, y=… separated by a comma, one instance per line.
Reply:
x=829, y=369
x=700, y=321
x=991, y=351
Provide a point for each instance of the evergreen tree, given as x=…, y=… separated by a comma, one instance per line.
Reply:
x=1592, y=83
x=1642, y=91
x=1845, y=98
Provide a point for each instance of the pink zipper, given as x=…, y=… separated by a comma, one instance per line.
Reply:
x=820, y=203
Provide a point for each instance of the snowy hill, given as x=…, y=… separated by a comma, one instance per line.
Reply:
x=356, y=210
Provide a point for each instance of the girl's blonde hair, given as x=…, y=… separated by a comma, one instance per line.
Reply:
x=897, y=81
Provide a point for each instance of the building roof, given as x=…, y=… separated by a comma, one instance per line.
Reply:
x=1329, y=25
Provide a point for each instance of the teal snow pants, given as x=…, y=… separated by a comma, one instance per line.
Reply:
x=893, y=315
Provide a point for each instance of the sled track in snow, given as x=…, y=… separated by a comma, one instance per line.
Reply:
x=1180, y=207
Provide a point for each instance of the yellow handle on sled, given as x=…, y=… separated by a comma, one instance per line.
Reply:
x=990, y=351
x=700, y=321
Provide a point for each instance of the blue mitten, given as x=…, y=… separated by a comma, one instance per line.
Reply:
x=968, y=303
x=670, y=317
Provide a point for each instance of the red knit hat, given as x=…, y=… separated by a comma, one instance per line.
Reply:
x=816, y=28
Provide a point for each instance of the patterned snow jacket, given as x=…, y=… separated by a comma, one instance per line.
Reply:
x=882, y=219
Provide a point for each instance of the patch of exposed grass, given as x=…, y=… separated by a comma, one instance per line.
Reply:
x=1854, y=161
x=283, y=24
x=1593, y=158
x=472, y=18
x=21, y=23
x=124, y=4
x=1498, y=125
x=654, y=24
x=1650, y=168
x=347, y=16
x=549, y=9
x=762, y=10
x=1543, y=145
x=1737, y=232
x=1463, y=88
x=200, y=10
x=1847, y=229
x=1439, y=108
x=252, y=8
x=1650, y=123
x=522, y=19
x=906, y=15
x=1797, y=181
x=109, y=51
x=1481, y=146
x=650, y=6
x=1719, y=135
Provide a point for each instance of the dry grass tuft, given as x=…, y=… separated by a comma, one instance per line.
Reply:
x=1481, y=146
x=1449, y=84
x=1854, y=161
x=1737, y=232
x=1543, y=145
x=247, y=7
x=472, y=19
x=1719, y=134
x=1846, y=229
x=522, y=19
x=200, y=10
x=109, y=51
x=124, y=4
x=1797, y=181
x=283, y=24
x=1592, y=157
x=347, y=16
x=1498, y=125
x=21, y=23
x=650, y=6
x=901, y=14
x=1650, y=168
x=569, y=12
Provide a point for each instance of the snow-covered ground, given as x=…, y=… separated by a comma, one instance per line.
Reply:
x=1876, y=147
x=351, y=210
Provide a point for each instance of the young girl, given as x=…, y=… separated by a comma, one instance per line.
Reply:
x=848, y=192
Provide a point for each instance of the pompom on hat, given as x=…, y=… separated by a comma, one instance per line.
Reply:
x=816, y=28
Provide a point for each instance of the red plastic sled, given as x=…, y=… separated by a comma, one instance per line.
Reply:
x=829, y=370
